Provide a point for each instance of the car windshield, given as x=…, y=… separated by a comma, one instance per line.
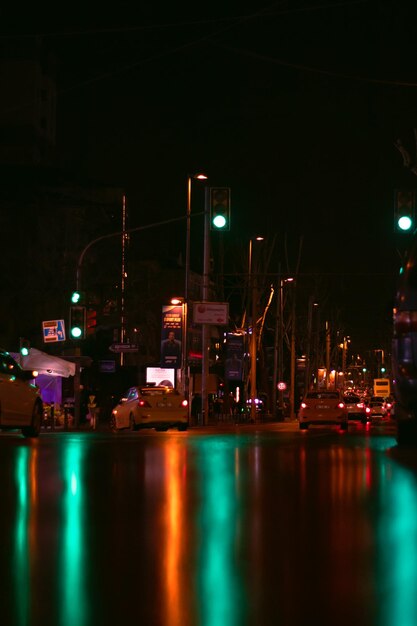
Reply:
x=351, y=398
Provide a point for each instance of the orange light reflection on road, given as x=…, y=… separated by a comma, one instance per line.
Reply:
x=174, y=533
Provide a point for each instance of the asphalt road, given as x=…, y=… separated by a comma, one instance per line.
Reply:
x=254, y=525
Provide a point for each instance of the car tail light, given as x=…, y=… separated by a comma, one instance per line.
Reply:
x=184, y=403
x=360, y=405
x=341, y=405
x=303, y=405
x=143, y=403
x=367, y=409
x=405, y=322
x=389, y=405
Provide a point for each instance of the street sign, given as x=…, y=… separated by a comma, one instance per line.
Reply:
x=211, y=313
x=123, y=347
x=53, y=330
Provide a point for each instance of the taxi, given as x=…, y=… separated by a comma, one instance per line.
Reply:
x=157, y=407
x=21, y=405
x=323, y=407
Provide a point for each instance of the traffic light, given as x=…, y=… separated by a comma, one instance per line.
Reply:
x=220, y=208
x=77, y=297
x=404, y=211
x=77, y=322
x=91, y=321
x=24, y=347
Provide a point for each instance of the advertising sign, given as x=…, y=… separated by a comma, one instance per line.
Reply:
x=160, y=376
x=234, y=357
x=211, y=313
x=171, y=343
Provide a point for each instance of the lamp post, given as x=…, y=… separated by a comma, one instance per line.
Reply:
x=185, y=368
x=280, y=353
x=253, y=284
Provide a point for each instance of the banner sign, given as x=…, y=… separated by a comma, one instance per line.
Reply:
x=234, y=357
x=211, y=313
x=171, y=343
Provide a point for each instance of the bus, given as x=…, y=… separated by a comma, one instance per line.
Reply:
x=382, y=387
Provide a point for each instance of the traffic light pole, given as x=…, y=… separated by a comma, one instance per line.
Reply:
x=206, y=327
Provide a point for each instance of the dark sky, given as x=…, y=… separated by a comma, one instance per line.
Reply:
x=294, y=105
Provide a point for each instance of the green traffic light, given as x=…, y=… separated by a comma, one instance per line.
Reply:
x=76, y=332
x=75, y=297
x=219, y=221
x=405, y=223
x=24, y=351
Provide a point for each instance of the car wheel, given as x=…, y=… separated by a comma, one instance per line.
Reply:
x=113, y=425
x=182, y=426
x=132, y=425
x=303, y=426
x=344, y=426
x=34, y=429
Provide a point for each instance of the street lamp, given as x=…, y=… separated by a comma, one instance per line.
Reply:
x=185, y=373
x=253, y=343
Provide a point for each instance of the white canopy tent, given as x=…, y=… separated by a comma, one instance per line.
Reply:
x=45, y=363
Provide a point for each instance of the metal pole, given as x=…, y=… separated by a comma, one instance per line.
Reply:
x=205, y=296
x=123, y=277
x=308, y=348
x=274, y=408
x=292, y=373
x=327, y=354
x=184, y=366
x=253, y=343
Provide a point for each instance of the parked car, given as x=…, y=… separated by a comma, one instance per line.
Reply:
x=151, y=407
x=356, y=408
x=20, y=401
x=323, y=407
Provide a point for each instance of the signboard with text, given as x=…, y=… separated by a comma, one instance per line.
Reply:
x=53, y=330
x=171, y=337
x=211, y=313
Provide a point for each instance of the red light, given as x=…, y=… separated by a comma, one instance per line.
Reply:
x=303, y=405
x=367, y=410
x=143, y=403
x=341, y=405
x=184, y=403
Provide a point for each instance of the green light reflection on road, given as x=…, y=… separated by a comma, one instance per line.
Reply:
x=221, y=594
x=73, y=607
x=397, y=548
x=21, y=548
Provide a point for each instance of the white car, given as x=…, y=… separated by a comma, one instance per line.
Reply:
x=151, y=407
x=377, y=407
x=21, y=405
x=356, y=408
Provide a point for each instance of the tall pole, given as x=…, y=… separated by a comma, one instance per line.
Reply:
x=327, y=354
x=253, y=343
x=185, y=375
x=185, y=367
x=205, y=296
x=275, y=377
x=292, y=372
x=308, y=348
x=123, y=279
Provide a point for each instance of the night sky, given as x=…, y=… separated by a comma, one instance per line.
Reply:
x=295, y=106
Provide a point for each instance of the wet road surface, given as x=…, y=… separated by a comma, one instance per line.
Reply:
x=243, y=526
